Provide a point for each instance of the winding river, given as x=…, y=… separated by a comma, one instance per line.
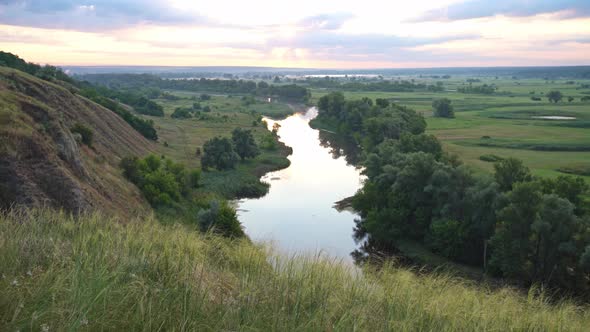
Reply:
x=298, y=214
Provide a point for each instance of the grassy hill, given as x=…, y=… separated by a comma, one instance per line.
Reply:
x=44, y=163
x=96, y=273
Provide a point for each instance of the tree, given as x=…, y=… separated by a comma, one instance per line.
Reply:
x=446, y=237
x=570, y=99
x=443, y=108
x=510, y=171
x=220, y=218
x=554, y=96
x=219, y=153
x=511, y=242
x=585, y=260
x=382, y=102
x=553, y=249
x=244, y=143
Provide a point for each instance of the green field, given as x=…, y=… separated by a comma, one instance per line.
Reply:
x=180, y=138
x=507, y=118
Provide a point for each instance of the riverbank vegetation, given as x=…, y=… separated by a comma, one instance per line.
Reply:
x=534, y=230
x=95, y=273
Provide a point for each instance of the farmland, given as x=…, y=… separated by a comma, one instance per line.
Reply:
x=507, y=123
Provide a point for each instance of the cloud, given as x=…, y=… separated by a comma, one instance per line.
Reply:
x=520, y=8
x=325, y=21
x=360, y=43
x=92, y=15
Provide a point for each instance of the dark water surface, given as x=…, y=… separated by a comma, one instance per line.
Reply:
x=298, y=213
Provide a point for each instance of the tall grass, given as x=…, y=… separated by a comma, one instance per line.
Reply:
x=95, y=273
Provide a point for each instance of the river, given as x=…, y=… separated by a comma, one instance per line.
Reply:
x=298, y=215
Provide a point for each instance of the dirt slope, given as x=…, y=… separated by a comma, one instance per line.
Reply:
x=43, y=164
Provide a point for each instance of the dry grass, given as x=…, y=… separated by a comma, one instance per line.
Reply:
x=93, y=273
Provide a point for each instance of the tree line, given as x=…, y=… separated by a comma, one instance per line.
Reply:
x=286, y=92
x=384, y=86
x=534, y=230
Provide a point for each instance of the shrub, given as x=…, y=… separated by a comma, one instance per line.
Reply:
x=161, y=180
x=219, y=153
x=220, y=218
x=181, y=113
x=85, y=132
x=492, y=158
x=244, y=143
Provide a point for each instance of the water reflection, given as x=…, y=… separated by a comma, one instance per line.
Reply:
x=341, y=146
x=297, y=214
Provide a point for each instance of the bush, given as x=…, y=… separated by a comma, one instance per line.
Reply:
x=181, y=113
x=161, y=180
x=492, y=158
x=85, y=132
x=219, y=153
x=220, y=218
x=244, y=143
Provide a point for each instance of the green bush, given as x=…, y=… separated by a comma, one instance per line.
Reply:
x=220, y=218
x=161, y=180
x=181, y=113
x=219, y=153
x=492, y=158
x=85, y=132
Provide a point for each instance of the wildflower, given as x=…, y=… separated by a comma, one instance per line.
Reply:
x=44, y=328
x=14, y=283
x=84, y=321
x=29, y=273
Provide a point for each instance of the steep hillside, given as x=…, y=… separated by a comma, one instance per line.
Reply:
x=43, y=163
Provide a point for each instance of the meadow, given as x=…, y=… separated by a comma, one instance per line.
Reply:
x=182, y=138
x=93, y=273
x=505, y=124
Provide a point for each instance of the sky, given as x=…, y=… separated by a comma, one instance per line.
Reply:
x=299, y=34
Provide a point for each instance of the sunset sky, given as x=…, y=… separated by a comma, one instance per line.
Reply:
x=304, y=33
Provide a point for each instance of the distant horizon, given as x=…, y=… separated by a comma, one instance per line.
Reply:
x=319, y=68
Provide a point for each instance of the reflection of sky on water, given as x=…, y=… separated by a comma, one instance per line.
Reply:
x=298, y=214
